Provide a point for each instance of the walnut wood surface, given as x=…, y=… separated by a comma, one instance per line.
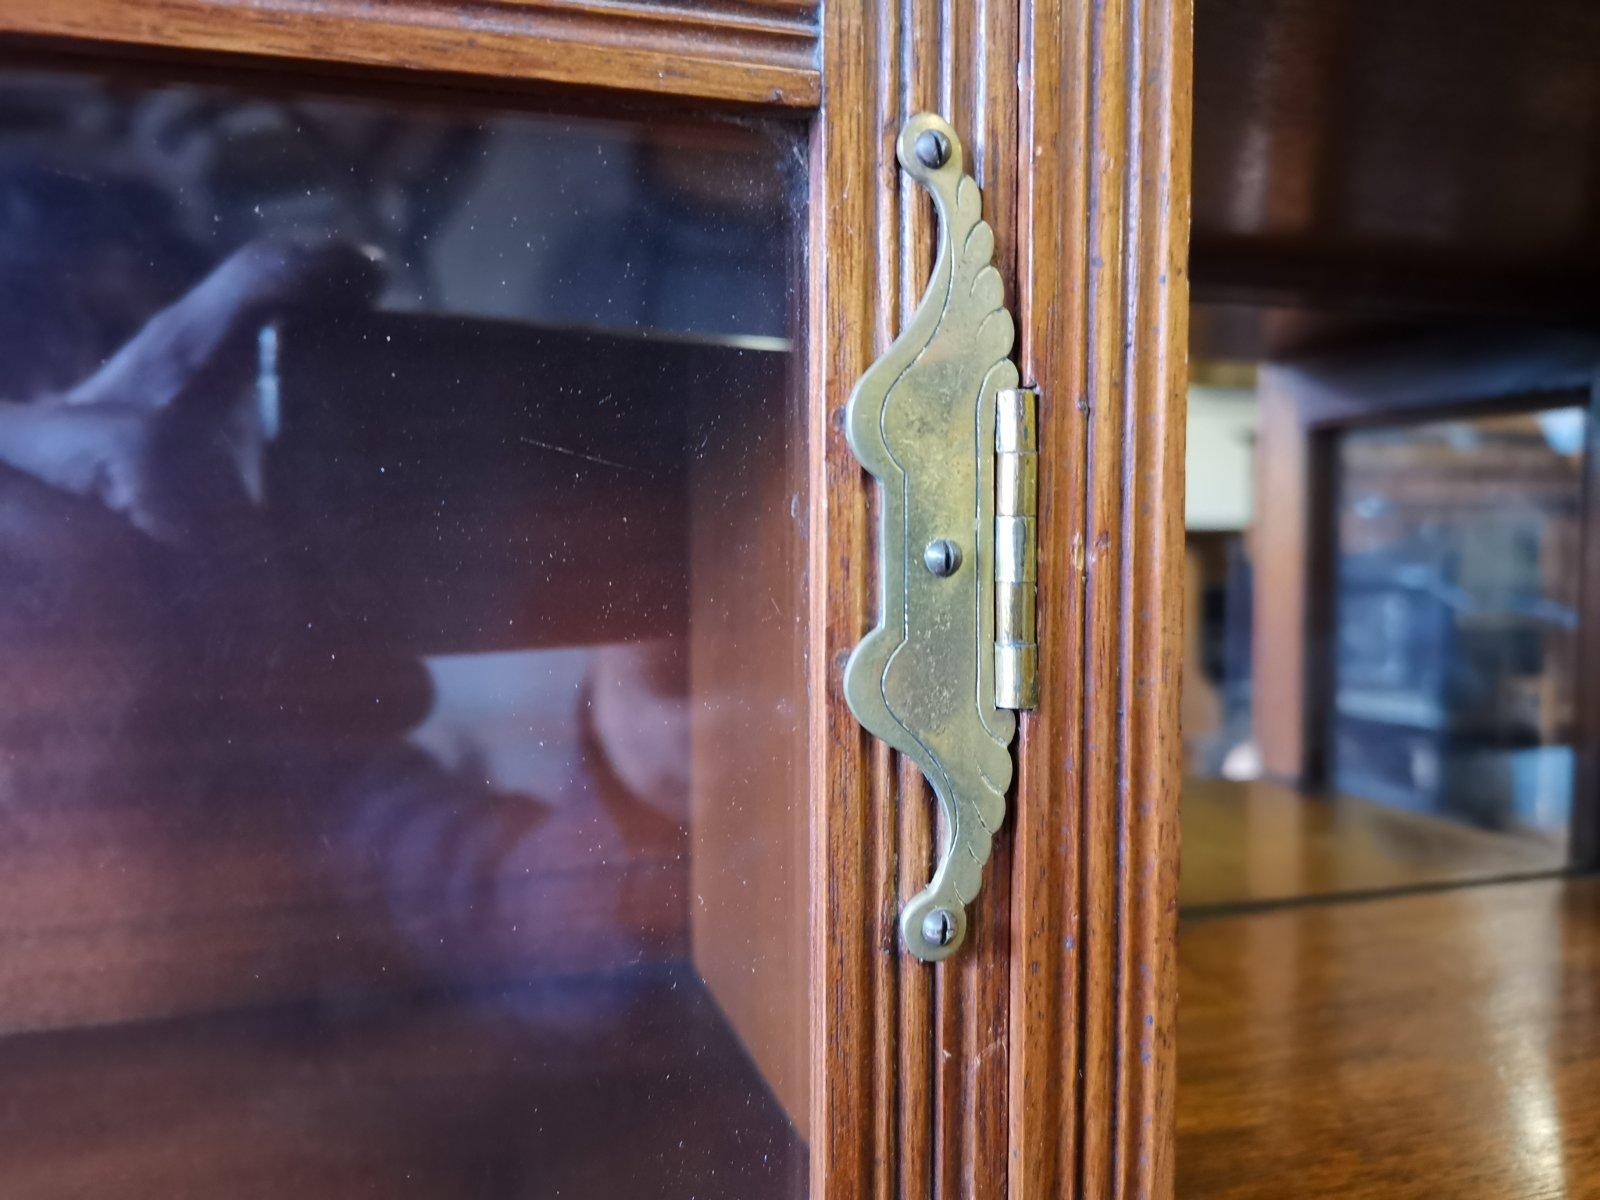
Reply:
x=1037, y=1064
x=1437, y=152
x=754, y=52
x=1420, y=1046
x=919, y=1107
x=117, y=914
x=851, y=847
x=1248, y=843
x=622, y=1087
x=1104, y=309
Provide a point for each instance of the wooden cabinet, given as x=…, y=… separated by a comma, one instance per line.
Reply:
x=436, y=551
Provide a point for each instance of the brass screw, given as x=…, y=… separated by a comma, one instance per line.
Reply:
x=939, y=927
x=933, y=149
x=942, y=557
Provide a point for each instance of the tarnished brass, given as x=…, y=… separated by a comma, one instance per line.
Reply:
x=923, y=420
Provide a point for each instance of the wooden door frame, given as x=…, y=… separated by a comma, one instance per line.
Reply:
x=1038, y=1062
x=1063, y=1001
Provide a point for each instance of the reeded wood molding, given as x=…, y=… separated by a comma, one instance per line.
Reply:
x=1103, y=295
x=752, y=52
x=1055, y=1078
x=909, y=1074
x=846, y=846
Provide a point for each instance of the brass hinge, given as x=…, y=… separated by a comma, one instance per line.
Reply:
x=941, y=422
x=1016, y=554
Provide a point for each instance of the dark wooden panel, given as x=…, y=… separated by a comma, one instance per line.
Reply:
x=585, y=1087
x=1436, y=151
x=752, y=52
x=1438, y=1045
x=115, y=916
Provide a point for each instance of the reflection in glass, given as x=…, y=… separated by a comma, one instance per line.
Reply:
x=1456, y=617
x=401, y=744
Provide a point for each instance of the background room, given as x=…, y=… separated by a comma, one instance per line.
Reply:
x=1390, y=698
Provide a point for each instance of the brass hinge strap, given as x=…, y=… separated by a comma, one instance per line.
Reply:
x=922, y=421
x=1016, y=565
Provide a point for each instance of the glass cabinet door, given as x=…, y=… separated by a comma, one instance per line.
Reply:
x=402, y=746
x=1458, y=549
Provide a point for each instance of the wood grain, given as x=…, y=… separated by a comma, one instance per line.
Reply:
x=1104, y=308
x=975, y=81
x=967, y=1081
x=1438, y=153
x=928, y=1111
x=626, y=1086
x=1249, y=843
x=122, y=911
x=1437, y=1045
x=751, y=53
x=852, y=1152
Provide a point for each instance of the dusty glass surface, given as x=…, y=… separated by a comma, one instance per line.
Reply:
x=401, y=691
x=1457, y=577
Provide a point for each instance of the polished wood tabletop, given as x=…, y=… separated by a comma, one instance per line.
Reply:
x=1256, y=842
x=1430, y=1045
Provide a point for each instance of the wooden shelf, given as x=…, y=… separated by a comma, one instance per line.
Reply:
x=618, y=1086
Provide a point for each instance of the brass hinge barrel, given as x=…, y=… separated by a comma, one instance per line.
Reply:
x=1016, y=520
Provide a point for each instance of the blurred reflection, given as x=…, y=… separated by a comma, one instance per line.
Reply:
x=1454, y=548
x=1458, y=557
x=345, y=593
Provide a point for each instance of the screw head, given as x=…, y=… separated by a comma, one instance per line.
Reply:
x=933, y=148
x=942, y=557
x=939, y=927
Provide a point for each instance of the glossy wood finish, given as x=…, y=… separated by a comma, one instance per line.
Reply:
x=1434, y=1045
x=910, y=1060
x=1249, y=843
x=1039, y=1063
x=514, y=1093
x=744, y=51
x=1100, y=244
x=1103, y=290
x=852, y=1148
x=206, y=912
x=1437, y=153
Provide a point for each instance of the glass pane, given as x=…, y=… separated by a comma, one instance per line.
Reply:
x=402, y=713
x=1456, y=618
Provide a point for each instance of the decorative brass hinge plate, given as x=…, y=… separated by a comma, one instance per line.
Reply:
x=942, y=424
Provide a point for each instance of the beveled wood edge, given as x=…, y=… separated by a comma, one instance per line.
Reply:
x=727, y=53
x=1103, y=295
x=847, y=847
